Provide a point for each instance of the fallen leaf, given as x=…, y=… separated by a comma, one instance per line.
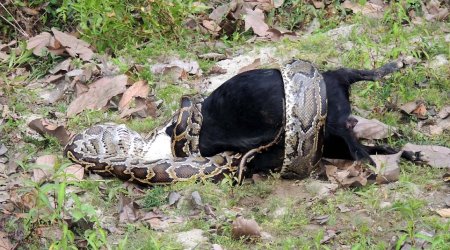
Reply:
x=329, y=234
x=45, y=166
x=368, y=9
x=191, y=67
x=254, y=65
x=242, y=227
x=74, y=172
x=444, y=112
x=435, y=156
x=50, y=232
x=3, y=149
x=372, y=129
x=174, y=197
x=139, y=89
x=388, y=169
x=211, y=26
x=255, y=19
x=433, y=11
x=213, y=56
x=74, y=46
x=196, y=198
x=5, y=244
x=321, y=219
x=144, y=108
x=44, y=127
x=416, y=108
x=318, y=4
x=220, y=12
x=39, y=43
x=445, y=212
x=420, y=111
x=346, y=173
x=217, y=70
x=343, y=208
x=127, y=210
x=62, y=66
x=98, y=95
x=277, y=3
x=54, y=92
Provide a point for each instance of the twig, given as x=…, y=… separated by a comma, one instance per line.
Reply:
x=18, y=27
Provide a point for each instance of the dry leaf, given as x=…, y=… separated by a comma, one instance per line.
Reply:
x=62, y=66
x=445, y=212
x=254, y=65
x=329, y=234
x=346, y=173
x=98, y=95
x=39, y=43
x=45, y=166
x=211, y=26
x=321, y=219
x=196, y=198
x=220, y=12
x=318, y=4
x=368, y=9
x=242, y=227
x=74, y=46
x=127, y=210
x=139, y=88
x=277, y=3
x=420, y=111
x=174, y=197
x=5, y=244
x=213, y=56
x=409, y=107
x=44, y=127
x=372, y=129
x=255, y=20
x=144, y=108
x=435, y=156
x=388, y=169
x=444, y=112
x=74, y=172
x=191, y=67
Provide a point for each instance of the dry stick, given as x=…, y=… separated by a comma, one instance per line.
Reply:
x=18, y=27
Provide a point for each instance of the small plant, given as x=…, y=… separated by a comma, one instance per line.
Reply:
x=155, y=197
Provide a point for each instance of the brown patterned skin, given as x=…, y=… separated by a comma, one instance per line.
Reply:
x=114, y=150
x=306, y=111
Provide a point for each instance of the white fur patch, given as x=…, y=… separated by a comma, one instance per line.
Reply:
x=159, y=146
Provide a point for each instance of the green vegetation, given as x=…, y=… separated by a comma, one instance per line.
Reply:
x=71, y=214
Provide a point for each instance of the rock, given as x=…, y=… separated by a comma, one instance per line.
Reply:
x=279, y=212
x=191, y=239
x=321, y=189
x=438, y=61
x=385, y=204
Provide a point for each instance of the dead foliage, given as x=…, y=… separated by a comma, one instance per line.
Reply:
x=245, y=228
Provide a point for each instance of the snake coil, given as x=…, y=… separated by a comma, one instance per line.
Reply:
x=115, y=150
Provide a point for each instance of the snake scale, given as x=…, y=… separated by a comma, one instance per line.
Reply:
x=115, y=150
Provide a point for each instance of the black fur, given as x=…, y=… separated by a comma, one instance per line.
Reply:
x=247, y=111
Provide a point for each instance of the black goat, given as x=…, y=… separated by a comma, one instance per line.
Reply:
x=248, y=110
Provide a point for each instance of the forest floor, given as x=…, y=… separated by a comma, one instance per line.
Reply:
x=55, y=82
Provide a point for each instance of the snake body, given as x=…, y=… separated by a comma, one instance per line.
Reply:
x=115, y=150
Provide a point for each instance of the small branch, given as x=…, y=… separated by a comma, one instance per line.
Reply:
x=16, y=25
